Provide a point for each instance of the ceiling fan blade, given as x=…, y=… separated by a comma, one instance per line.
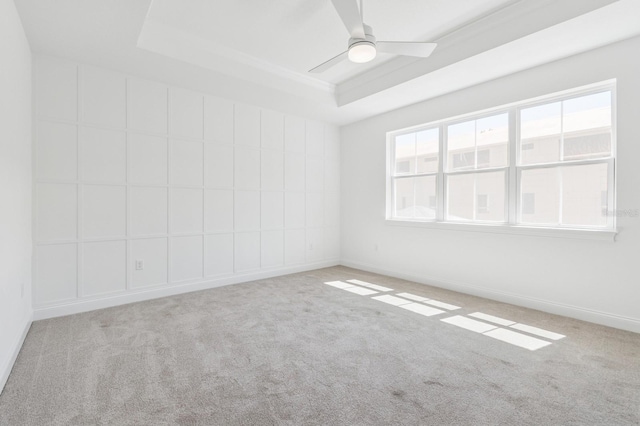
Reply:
x=330, y=63
x=350, y=15
x=406, y=48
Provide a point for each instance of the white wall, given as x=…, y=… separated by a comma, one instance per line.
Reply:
x=592, y=280
x=15, y=187
x=204, y=191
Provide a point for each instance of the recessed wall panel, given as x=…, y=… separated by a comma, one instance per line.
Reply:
x=186, y=112
x=56, y=89
x=152, y=252
x=186, y=210
x=103, y=155
x=147, y=106
x=103, y=268
x=218, y=254
x=247, y=251
x=147, y=211
x=218, y=120
x=186, y=258
x=247, y=125
x=104, y=97
x=147, y=159
x=57, y=151
x=104, y=210
x=218, y=210
x=56, y=273
x=56, y=212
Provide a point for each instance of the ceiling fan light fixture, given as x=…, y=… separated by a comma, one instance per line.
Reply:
x=362, y=45
x=362, y=51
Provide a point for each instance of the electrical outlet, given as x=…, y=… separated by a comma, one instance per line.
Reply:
x=139, y=265
x=375, y=247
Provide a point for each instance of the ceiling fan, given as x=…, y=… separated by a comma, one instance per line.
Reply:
x=363, y=46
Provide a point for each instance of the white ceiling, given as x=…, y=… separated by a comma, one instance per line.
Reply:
x=299, y=34
x=259, y=51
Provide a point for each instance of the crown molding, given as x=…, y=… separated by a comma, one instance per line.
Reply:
x=160, y=38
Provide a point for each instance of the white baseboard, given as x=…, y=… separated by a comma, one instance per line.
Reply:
x=5, y=369
x=584, y=314
x=108, y=301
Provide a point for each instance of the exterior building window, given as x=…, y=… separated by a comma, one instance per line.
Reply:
x=548, y=163
x=527, y=146
x=482, y=203
x=404, y=166
x=432, y=201
x=528, y=203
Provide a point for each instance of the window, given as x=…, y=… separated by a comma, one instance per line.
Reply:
x=548, y=163
x=416, y=157
x=571, y=170
x=484, y=144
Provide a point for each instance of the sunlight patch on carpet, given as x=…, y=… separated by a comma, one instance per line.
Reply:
x=427, y=311
x=369, y=285
x=469, y=324
x=517, y=339
x=391, y=300
x=491, y=318
x=538, y=331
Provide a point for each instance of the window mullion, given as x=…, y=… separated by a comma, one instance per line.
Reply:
x=560, y=194
x=391, y=182
x=561, y=131
x=475, y=144
x=440, y=190
x=475, y=197
x=512, y=179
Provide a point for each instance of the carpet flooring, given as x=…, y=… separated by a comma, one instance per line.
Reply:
x=294, y=351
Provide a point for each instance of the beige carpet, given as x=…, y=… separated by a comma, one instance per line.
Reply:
x=293, y=350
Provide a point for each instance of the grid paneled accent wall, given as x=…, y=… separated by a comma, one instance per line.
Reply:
x=143, y=186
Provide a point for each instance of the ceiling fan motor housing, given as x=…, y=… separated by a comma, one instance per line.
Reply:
x=368, y=37
x=362, y=50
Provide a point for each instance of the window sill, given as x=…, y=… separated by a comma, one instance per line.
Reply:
x=581, y=234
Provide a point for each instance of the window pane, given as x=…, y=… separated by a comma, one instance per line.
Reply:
x=460, y=195
x=480, y=144
x=461, y=146
x=476, y=197
x=582, y=195
x=492, y=138
x=540, y=196
x=425, y=197
x=490, y=193
x=587, y=127
x=528, y=203
x=405, y=147
x=566, y=195
x=540, y=134
x=427, y=150
x=404, y=202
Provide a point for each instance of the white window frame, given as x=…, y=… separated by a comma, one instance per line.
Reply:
x=392, y=176
x=469, y=171
x=513, y=172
